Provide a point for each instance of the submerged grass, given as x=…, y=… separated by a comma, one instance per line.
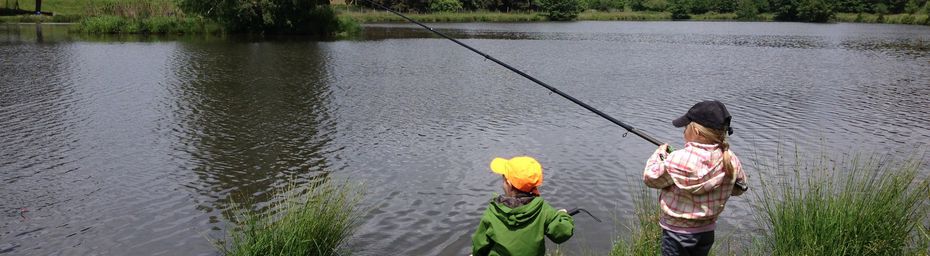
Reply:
x=862, y=206
x=315, y=219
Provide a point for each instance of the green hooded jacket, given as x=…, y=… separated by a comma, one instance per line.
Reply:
x=519, y=231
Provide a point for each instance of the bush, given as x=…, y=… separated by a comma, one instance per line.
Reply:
x=267, y=16
x=445, y=6
x=102, y=24
x=864, y=206
x=679, y=9
x=561, y=10
x=348, y=26
x=803, y=10
x=815, y=11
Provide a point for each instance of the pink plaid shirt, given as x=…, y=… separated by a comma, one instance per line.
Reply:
x=694, y=191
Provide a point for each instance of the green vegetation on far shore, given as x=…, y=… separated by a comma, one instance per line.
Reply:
x=166, y=17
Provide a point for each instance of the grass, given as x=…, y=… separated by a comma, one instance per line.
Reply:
x=151, y=25
x=863, y=206
x=913, y=19
x=645, y=232
x=316, y=219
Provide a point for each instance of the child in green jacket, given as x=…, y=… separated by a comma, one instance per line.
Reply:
x=514, y=223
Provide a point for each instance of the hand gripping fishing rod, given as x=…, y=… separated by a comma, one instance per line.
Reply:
x=629, y=128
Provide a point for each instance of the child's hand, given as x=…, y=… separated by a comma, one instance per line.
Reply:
x=662, y=151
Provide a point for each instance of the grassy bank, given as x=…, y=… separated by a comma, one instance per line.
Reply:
x=912, y=19
x=861, y=206
x=151, y=25
x=118, y=16
x=316, y=219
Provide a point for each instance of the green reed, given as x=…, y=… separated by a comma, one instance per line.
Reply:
x=314, y=219
x=645, y=232
x=861, y=206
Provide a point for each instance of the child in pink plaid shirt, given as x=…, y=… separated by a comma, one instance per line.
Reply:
x=695, y=181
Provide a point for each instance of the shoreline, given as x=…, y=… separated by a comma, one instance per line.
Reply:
x=374, y=17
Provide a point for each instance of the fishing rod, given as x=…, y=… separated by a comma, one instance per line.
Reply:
x=629, y=128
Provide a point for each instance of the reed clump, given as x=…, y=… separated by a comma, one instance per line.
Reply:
x=314, y=219
x=861, y=206
x=644, y=232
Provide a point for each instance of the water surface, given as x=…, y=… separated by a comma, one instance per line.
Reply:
x=122, y=145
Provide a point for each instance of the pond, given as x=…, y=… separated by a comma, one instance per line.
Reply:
x=121, y=145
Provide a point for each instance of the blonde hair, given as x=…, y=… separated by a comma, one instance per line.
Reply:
x=719, y=137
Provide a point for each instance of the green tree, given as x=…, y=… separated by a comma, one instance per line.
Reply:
x=912, y=7
x=880, y=8
x=561, y=10
x=815, y=11
x=679, y=9
x=267, y=16
x=785, y=10
x=655, y=5
x=747, y=10
x=604, y=5
x=445, y=5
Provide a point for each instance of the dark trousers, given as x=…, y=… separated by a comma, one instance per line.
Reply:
x=674, y=244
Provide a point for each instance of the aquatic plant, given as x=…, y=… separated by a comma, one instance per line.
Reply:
x=862, y=206
x=314, y=219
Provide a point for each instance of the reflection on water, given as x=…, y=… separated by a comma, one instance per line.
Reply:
x=121, y=144
x=246, y=122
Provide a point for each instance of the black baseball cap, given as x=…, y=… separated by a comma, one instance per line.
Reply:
x=711, y=114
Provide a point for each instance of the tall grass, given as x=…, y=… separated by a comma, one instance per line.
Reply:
x=316, y=219
x=152, y=25
x=133, y=9
x=645, y=232
x=913, y=19
x=862, y=206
